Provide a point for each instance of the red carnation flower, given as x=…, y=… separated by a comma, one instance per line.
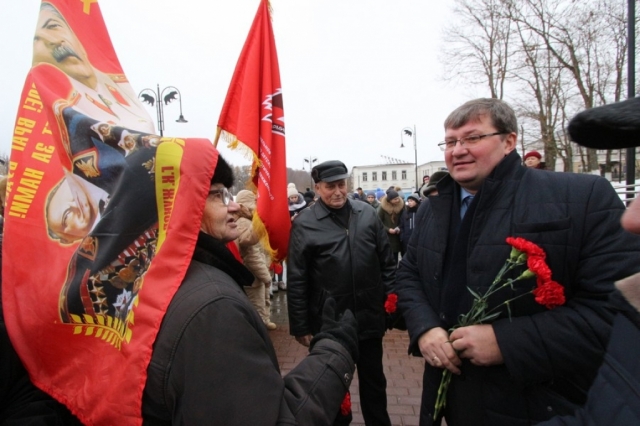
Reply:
x=390, y=303
x=549, y=294
x=526, y=246
x=538, y=266
x=345, y=407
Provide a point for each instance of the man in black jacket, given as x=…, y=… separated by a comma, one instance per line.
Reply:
x=530, y=363
x=339, y=249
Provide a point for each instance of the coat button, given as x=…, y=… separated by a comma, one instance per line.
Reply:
x=442, y=316
x=347, y=377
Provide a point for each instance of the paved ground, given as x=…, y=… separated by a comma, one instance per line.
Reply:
x=404, y=373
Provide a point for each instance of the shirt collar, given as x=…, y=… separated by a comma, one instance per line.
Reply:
x=464, y=194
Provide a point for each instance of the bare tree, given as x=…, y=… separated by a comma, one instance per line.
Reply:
x=585, y=40
x=477, y=44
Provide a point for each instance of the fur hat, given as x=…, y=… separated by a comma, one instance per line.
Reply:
x=392, y=194
x=292, y=190
x=533, y=154
x=433, y=181
x=223, y=173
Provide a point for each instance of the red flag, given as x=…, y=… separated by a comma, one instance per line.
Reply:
x=101, y=220
x=253, y=115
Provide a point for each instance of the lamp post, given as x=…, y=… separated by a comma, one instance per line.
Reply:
x=156, y=98
x=631, y=91
x=411, y=132
x=311, y=160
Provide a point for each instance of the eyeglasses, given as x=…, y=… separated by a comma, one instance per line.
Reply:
x=224, y=195
x=467, y=140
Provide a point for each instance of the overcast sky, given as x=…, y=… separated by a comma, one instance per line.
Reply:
x=354, y=73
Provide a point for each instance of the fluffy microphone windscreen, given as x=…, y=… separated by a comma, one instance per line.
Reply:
x=611, y=126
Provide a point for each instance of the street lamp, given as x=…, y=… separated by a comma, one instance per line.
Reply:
x=151, y=97
x=411, y=132
x=311, y=160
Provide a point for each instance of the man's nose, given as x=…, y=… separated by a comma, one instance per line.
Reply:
x=459, y=149
x=48, y=38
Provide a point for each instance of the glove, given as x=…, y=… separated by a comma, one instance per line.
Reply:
x=343, y=330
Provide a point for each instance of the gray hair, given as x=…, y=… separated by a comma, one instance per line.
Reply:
x=501, y=114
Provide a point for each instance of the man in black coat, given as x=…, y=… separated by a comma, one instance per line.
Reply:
x=530, y=363
x=338, y=248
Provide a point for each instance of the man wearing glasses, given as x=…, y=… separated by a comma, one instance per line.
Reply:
x=529, y=363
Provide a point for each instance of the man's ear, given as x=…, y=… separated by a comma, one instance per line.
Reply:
x=511, y=141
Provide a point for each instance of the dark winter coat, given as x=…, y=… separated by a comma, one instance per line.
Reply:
x=407, y=225
x=213, y=360
x=389, y=214
x=352, y=265
x=550, y=357
x=614, y=398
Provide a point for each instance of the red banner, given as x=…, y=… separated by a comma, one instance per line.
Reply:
x=253, y=115
x=101, y=220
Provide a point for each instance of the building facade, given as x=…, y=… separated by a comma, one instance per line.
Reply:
x=382, y=176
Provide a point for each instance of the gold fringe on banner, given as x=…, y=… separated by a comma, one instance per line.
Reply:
x=258, y=225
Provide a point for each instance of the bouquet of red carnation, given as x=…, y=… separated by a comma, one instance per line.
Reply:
x=546, y=292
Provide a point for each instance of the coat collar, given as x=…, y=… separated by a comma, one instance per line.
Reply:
x=321, y=210
x=510, y=168
x=391, y=208
x=214, y=253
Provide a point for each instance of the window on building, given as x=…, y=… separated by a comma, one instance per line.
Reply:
x=374, y=175
x=364, y=176
x=384, y=176
x=404, y=175
x=394, y=175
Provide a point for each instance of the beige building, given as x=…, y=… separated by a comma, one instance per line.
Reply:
x=382, y=176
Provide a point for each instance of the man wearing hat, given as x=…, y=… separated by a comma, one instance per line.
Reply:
x=371, y=199
x=338, y=248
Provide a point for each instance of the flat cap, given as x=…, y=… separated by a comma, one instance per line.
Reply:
x=329, y=171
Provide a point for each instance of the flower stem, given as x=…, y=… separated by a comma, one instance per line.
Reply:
x=441, y=400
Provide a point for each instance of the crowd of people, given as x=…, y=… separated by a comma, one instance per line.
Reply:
x=439, y=251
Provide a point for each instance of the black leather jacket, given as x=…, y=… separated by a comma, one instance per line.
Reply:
x=353, y=265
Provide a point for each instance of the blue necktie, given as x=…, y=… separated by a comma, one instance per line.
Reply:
x=465, y=205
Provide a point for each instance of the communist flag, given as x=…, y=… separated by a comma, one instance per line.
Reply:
x=101, y=219
x=253, y=115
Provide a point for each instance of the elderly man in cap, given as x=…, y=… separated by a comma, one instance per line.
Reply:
x=529, y=363
x=338, y=248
